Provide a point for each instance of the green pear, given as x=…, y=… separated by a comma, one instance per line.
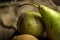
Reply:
x=30, y=23
x=52, y=21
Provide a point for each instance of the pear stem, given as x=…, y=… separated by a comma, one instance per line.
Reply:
x=29, y=4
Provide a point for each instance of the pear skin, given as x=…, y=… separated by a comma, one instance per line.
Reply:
x=30, y=23
x=52, y=21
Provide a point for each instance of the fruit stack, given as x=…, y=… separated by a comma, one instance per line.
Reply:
x=32, y=25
